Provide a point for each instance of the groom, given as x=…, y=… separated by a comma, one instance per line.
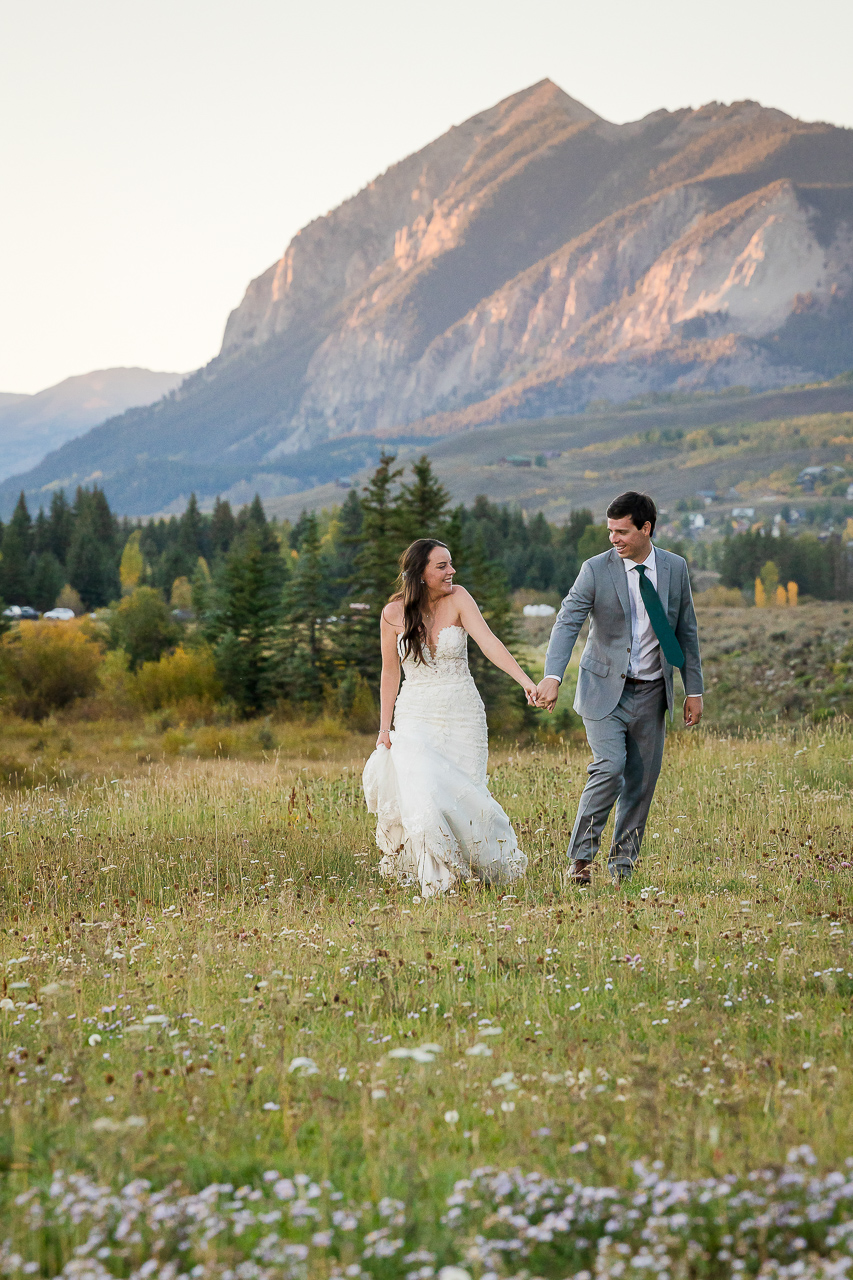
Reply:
x=642, y=625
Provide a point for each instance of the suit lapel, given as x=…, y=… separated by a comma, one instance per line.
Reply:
x=663, y=567
x=617, y=570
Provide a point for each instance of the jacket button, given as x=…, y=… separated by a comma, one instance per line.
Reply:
x=622, y=677
x=628, y=650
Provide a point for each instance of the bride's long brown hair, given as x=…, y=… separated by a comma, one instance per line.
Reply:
x=412, y=591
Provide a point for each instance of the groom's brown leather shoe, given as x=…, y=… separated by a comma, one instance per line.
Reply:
x=579, y=873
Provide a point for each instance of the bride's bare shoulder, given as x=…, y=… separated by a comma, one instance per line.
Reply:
x=393, y=614
x=462, y=598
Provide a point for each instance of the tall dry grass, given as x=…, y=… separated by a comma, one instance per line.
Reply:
x=177, y=940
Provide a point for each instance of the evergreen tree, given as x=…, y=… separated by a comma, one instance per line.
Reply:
x=304, y=657
x=187, y=541
x=593, y=541
x=487, y=584
x=376, y=565
x=192, y=537
x=16, y=566
x=421, y=507
x=61, y=526
x=454, y=533
x=345, y=543
x=222, y=528
x=253, y=514
x=48, y=579
x=41, y=533
x=374, y=573
x=305, y=522
x=92, y=564
x=244, y=614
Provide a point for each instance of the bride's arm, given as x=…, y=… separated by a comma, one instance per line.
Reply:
x=389, y=684
x=494, y=649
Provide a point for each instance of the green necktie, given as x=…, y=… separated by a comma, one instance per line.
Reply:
x=672, y=650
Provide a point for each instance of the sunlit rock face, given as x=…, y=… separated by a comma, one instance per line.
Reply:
x=538, y=257
x=534, y=259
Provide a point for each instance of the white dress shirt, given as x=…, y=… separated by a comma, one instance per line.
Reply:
x=644, y=663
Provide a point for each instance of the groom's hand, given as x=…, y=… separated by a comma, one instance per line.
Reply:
x=547, y=692
x=693, y=708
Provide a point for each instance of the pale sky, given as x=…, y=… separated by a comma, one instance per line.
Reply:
x=158, y=154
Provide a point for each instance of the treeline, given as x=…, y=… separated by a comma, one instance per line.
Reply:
x=289, y=613
x=80, y=546
x=291, y=627
x=821, y=567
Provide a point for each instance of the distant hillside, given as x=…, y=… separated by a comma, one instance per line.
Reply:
x=755, y=445
x=530, y=262
x=32, y=426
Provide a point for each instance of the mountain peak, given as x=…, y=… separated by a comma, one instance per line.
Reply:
x=533, y=258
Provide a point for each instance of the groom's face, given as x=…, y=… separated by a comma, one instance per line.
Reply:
x=630, y=542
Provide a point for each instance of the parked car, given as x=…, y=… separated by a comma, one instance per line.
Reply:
x=59, y=615
x=21, y=611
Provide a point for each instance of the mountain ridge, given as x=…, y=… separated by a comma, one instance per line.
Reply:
x=32, y=426
x=529, y=261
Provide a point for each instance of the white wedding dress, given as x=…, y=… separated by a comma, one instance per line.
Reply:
x=437, y=822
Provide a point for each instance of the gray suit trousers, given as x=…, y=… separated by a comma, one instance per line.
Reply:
x=627, y=750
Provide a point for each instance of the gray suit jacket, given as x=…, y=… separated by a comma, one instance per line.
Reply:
x=601, y=593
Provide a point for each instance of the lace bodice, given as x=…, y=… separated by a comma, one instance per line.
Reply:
x=450, y=661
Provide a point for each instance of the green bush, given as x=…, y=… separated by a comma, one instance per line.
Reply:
x=143, y=626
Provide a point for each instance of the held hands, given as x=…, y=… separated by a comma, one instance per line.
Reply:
x=547, y=692
x=530, y=692
x=384, y=738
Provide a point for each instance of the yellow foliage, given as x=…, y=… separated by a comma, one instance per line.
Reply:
x=132, y=565
x=781, y=596
x=212, y=742
x=769, y=578
x=68, y=598
x=182, y=594
x=178, y=676
x=760, y=595
x=793, y=593
x=47, y=665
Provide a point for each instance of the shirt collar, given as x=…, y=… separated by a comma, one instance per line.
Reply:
x=648, y=564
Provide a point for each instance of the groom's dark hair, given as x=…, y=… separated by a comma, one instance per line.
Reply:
x=639, y=506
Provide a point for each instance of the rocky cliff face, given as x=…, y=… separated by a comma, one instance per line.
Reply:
x=529, y=261
x=544, y=257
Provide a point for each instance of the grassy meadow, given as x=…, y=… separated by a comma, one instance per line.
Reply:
x=231, y=1049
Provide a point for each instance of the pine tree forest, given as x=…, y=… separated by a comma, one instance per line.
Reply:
x=286, y=615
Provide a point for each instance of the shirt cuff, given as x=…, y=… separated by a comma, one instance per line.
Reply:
x=559, y=679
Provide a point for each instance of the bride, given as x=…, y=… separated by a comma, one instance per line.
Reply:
x=426, y=781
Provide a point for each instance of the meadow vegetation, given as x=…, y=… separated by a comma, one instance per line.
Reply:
x=213, y=1001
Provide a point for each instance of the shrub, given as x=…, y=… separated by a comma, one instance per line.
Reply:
x=45, y=666
x=354, y=699
x=174, y=741
x=177, y=677
x=68, y=598
x=143, y=626
x=215, y=743
x=720, y=597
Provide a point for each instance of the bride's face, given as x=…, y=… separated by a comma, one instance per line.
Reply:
x=438, y=574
